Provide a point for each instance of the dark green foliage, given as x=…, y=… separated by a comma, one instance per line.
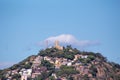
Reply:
x=65, y=53
x=91, y=57
x=85, y=77
x=88, y=59
x=43, y=76
x=14, y=67
x=93, y=70
x=68, y=56
x=100, y=56
x=47, y=64
x=66, y=71
x=22, y=64
x=115, y=65
x=52, y=78
x=70, y=78
x=38, y=78
x=16, y=76
x=28, y=65
x=3, y=77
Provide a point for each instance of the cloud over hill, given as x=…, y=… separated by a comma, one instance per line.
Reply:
x=68, y=39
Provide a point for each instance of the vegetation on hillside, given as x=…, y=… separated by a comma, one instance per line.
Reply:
x=86, y=68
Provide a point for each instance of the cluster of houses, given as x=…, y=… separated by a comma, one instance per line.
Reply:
x=36, y=70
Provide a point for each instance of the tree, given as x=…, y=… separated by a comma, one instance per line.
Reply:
x=69, y=47
x=101, y=57
x=91, y=57
x=42, y=53
x=3, y=78
x=93, y=70
x=52, y=78
x=28, y=65
x=43, y=76
x=66, y=71
x=69, y=56
x=47, y=64
x=16, y=76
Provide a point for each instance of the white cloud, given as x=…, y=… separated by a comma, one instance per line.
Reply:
x=68, y=39
x=64, y=38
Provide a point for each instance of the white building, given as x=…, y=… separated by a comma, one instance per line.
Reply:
x=85, y=56
x=69, y=64
x=25, y=74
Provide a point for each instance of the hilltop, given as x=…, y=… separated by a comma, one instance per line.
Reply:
x=63, y=63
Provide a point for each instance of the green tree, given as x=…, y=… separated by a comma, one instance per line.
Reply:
x=67, y=71
x=51, y=78
x=101, y=57
x=69, y=56
x=93, y=70
x=47, y=64
x=16, y=76
x=43, y=76
x=91, y=57
x=28, y=65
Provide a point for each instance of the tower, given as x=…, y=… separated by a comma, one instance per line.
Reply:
x=56, y=45
x=46, y=43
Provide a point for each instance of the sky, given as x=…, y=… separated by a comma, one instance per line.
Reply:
x=90, y=25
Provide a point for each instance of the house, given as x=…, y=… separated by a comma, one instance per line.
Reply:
x=32, y=58
x=25, y=73
x=51, y=61
x=69, y=64
x=57, y=63
x=54, y=75
x=9, y=78
x=38, y=71
x=64, y=78
x=84, y=56
x=37, y=61
x=35, y=72
x=64, y=63
x=47, y=58
x=77, y=63
x=76, y=57
x=24, y=77
x=14, y=72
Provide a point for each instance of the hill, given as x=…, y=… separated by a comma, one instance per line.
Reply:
x=66, y=63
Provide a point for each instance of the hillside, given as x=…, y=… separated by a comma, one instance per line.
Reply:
x=66, y=63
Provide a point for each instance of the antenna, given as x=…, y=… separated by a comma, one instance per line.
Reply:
x=46, y=43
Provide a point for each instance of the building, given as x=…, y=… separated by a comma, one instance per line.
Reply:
x=25, y=73
x=37, y=61
x=76, y=57
x=24, y=77
x=84, y=56
x=57, y=46
x=57, y=63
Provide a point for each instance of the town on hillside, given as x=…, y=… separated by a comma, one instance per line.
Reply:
x=63, y=63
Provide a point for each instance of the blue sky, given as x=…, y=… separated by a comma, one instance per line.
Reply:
x=24, y=23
